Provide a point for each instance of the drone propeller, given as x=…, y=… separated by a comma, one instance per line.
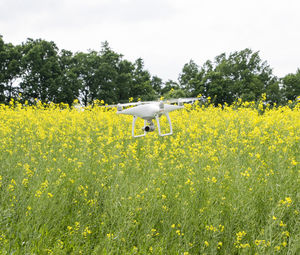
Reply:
x=121, y=105
x=179, y=101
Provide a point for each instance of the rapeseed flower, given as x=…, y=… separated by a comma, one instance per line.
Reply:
x=76, y=179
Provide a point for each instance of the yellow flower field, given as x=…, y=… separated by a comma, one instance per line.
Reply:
x=76, y=182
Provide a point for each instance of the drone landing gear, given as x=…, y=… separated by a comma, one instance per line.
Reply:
x=170, y=125
x=149, y=126
x=133, y=125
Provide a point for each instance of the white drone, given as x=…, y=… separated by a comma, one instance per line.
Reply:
x=151, y=110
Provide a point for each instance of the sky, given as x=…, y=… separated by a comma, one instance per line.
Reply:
x=166, y=34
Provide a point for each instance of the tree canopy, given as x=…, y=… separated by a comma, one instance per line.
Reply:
x=37, y=69
x=240, y=75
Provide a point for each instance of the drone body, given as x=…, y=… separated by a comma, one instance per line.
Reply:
x=149, y=111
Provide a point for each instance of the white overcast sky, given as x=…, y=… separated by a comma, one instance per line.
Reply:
x=166, y=34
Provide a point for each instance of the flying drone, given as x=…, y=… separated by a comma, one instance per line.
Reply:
x=151, y=110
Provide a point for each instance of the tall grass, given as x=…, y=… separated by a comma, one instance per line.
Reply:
x=75, y=182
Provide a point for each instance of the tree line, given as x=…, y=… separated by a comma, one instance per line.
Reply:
x=37, y=69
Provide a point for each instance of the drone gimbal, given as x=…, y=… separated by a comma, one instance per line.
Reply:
x=150, y=127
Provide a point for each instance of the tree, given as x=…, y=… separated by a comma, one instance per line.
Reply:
x=240, y=75
x=124, y=80
x=156, y=84
x=98, y=74
x=141, y=83
x=41, y=72
x=106, y=76
x=191, y=79
x=291, y=86
x=69, y=84
x=174, y=93
x=168, y=86
x=2, y=68
x=10, y=57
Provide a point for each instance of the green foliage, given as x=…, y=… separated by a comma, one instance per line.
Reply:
x=175, y=93
x=168, y=86
x=240, y=75
x=37, y=69
x=41, y=72
x=10, y=57
x=291, y=86
x=106, y=76
x=141, y=85
x=191, y=79
x=69, y=83
x=157, y=83
x=48, y=74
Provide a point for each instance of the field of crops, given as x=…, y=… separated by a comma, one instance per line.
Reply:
x=76, y=182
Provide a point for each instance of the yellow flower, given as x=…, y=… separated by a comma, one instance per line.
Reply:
x=110, y=235
x=86, y=232
x=277, y=248
x=286, y=233
x=38, y=193
x=25, y=182
x=294, y=162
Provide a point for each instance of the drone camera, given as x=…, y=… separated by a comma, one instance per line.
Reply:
x=149, y=128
